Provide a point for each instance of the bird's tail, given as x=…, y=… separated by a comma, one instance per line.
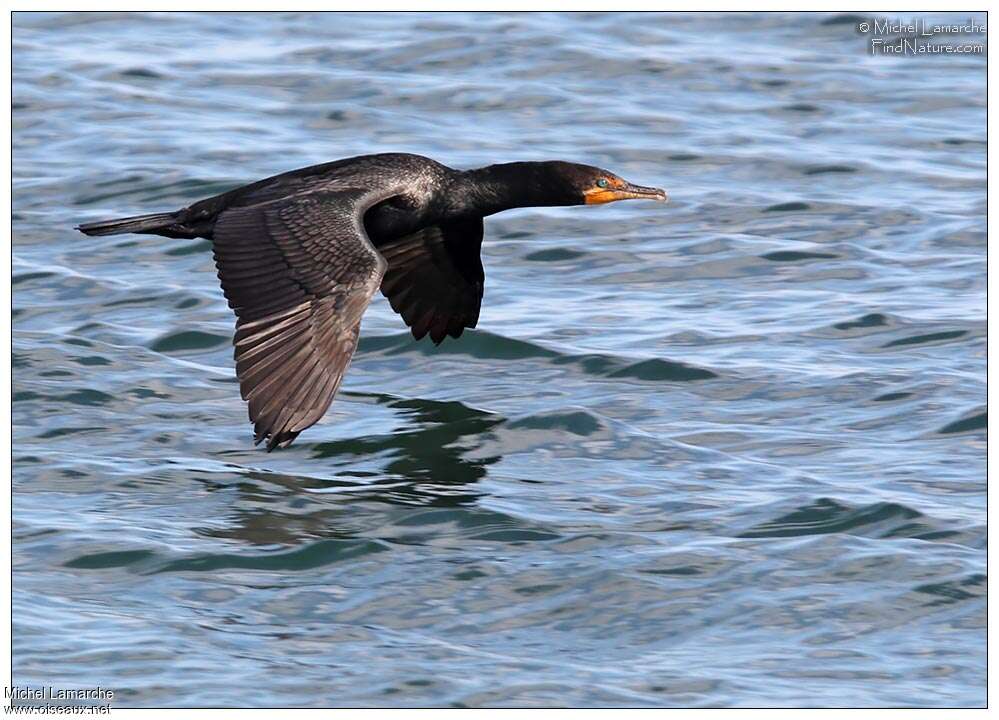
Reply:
x=137, y=224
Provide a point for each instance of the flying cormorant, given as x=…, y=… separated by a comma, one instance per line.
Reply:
x=301, y=254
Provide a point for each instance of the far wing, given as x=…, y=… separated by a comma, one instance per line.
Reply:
x=435, y=279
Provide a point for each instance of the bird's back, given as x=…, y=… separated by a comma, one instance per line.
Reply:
x=358, y=172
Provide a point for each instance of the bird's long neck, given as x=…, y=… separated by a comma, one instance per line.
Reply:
x=495, y=188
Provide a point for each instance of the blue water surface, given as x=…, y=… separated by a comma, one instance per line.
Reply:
x=725, y=452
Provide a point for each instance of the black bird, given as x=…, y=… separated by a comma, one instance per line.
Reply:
x=301, y=254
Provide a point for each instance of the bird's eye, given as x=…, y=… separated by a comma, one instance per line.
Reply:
x=602, y=182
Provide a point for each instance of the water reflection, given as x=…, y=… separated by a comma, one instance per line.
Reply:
x=425, y=462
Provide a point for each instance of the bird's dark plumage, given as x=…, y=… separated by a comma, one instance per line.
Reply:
x=300, y=255
x=435, y=278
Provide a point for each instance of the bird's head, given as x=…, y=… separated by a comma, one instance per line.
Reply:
x=547, y=183
x=588, y=185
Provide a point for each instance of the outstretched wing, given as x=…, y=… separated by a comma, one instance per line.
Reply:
x=434, y=278
x=299, y=273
